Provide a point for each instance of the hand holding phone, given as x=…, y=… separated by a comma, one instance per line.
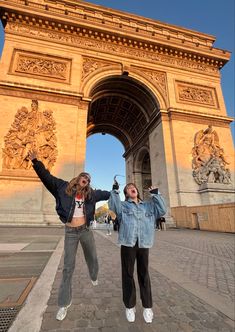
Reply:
x=153, y=191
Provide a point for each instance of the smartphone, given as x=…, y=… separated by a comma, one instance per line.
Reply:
x=154, y=191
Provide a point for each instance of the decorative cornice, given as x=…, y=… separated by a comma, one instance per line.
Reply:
x=157, y=55
x=195, y=57
x=197, y=117
x=93, y=15
x=30, y=91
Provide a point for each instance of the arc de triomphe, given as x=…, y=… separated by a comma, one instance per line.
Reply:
x=70, y=69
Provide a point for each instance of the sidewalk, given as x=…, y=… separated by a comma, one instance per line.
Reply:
x=25, y=256
x=192, y=278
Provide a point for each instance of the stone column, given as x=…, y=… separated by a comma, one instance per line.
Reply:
x=129, y=169
x=138, y=181
x=80, y=152
x=161, y=160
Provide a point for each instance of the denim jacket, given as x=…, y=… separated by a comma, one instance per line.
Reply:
x=137, y=221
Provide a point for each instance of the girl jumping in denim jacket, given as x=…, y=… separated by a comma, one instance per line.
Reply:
x=136, y=236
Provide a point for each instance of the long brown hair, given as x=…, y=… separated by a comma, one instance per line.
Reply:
x=125, y=191
x=74, y=187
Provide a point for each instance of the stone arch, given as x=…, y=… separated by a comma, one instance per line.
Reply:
x=123, y=137
x=139, y=158
x=104, y=73
x=95, y=77
x=122, y=106
x=162, y=99
x=173, y=91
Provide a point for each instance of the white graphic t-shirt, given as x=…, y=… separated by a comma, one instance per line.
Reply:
x=79, y=203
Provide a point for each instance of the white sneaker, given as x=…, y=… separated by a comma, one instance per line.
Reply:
x=94, y=282
x=62, y=312
x=148, y=315
x=130, y=314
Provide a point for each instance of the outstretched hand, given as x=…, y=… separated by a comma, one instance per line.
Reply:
x=115, y=185
x=32, y=154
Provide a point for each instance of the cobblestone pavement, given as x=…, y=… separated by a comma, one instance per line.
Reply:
x=176, y=309
x=204, y=257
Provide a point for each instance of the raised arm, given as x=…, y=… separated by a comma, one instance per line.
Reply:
x=51, y=182
x=158, y=202
x=115, y=203
x=101, y=195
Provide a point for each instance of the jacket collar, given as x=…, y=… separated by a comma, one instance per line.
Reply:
x=131, y=201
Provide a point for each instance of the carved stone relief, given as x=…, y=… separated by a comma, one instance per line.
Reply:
x=30, y=130
x=91, y=64
x=191, y=93
x=93, y=44
x=36, y=65
x=158, y=78
x=209, y=164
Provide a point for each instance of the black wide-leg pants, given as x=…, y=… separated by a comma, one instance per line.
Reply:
x=128, y=257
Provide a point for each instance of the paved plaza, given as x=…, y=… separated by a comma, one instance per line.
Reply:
x=192, y=276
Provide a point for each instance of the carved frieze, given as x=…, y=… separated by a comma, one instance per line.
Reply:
x=158, y=78
x=91, y=64
x=40, y=66
x=196, y=94
x=209, y=163
x=114, y=47
x=31, y=129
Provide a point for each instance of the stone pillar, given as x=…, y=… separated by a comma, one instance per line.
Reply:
x=158, y=162
x=129, y=169
x=162, y=167
x=81, y=137
x=139, y=182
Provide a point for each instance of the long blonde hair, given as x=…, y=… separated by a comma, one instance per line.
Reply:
x=74, y=187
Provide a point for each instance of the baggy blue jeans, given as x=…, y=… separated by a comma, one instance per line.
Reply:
x=74, y=235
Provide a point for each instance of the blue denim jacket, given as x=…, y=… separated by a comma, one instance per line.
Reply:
x=137, y=221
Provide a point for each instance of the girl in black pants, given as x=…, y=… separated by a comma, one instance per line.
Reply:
x=136, y=236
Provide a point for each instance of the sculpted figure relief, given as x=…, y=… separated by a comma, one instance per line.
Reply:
x=209, y=164
x=30, y=129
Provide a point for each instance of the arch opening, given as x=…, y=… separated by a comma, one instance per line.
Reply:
x=123, y=107
x=104, y=160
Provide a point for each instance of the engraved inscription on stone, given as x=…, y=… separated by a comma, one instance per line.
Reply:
x=31, y=129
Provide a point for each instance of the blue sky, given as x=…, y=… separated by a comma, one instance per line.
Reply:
x=215, y=17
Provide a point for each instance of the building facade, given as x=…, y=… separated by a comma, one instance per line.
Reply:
x=71, y=69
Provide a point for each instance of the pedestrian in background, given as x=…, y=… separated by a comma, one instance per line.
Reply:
x=108, y=224
x=161, y=224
